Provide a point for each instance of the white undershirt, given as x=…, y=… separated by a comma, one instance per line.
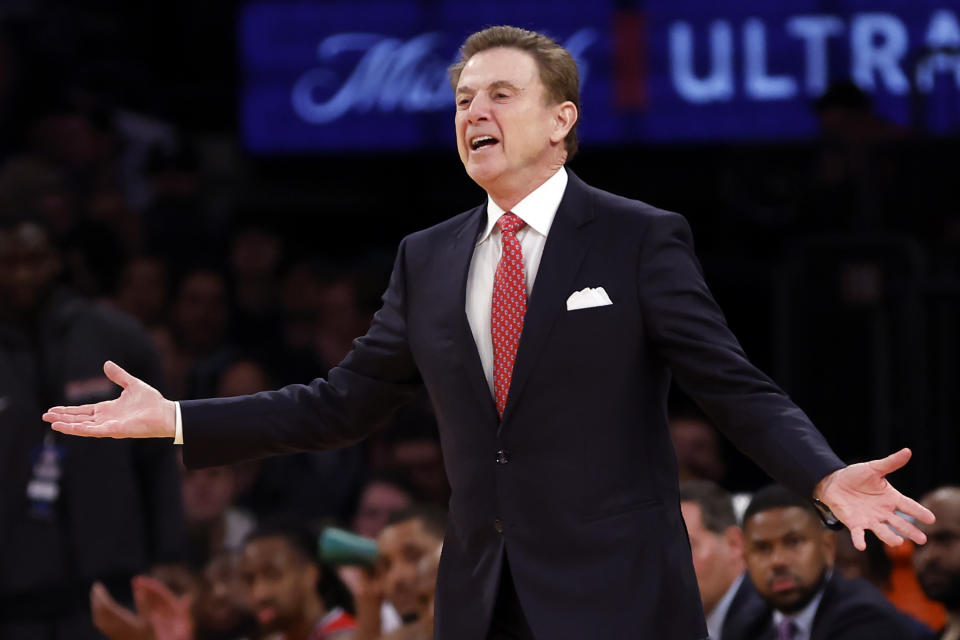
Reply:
x=538, y=210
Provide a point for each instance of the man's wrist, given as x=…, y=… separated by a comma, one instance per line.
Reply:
x=823, y=509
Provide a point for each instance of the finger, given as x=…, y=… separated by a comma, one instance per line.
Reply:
x=906, y=528
x=79, y=410
x=916, y=510
x=66, y=417
x=118, y=374
x=892, y=462
x=98, y=594
x=140, y=599
x=887, y=535
x=856, y=534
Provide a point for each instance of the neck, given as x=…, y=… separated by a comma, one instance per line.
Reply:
x=507, y=196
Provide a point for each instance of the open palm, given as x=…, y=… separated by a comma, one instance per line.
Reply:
x=140, y=412
x=862, y=498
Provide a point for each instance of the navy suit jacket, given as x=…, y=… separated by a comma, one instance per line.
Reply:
x=578, y=482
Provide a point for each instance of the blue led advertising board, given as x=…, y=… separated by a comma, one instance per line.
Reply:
x=372, y=75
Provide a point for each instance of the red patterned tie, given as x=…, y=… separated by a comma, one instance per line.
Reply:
x=509, y=307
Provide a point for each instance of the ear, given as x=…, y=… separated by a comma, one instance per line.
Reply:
x=733, y=536
x=565, y=117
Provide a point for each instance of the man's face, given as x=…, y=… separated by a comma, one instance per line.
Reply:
x=401, y=548
x=279, y=582
x=222, y=606
x=500, y=95
x=207, y=493
x=787, y=552
x=937, y=562
x=377, y=502
x=717, y=557
x=28, y=266
x=697, y=448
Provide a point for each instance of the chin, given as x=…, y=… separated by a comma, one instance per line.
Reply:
x=484, y=174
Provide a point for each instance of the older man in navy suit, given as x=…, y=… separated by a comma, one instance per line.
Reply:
x=545, y=324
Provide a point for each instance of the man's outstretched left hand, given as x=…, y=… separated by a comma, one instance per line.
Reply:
x=861, y=498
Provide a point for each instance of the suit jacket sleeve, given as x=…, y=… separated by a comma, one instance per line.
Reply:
x=378, y=375
x=684, y=322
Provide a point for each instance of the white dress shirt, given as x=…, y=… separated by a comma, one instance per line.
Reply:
x=538, y=210
x=719, y=612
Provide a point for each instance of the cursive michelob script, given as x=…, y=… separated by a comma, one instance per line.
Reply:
x=391, y=75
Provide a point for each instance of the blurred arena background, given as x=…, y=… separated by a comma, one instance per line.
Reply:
x=227, y=172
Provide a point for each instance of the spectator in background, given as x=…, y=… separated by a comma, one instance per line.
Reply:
x=697, y=446
x=411, y=446
x=716, y=543
x=174, y=224
x=313, y=486
x=872, y=565
x=789, y=556
x=222, y=611
x=173, y=603
x=349, y=296
x=383, y=495
x=71, y=511
x=144, y=290
x=255, y=254
x=213, y=524
x=300, y=302
x=889, y=569
x=29, y=183
x=938, y=562
x=198, y=323
x=412, y=535
x=291, y=593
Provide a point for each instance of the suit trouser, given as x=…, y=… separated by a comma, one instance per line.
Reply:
x=509, y=622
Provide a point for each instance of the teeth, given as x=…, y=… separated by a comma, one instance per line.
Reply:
x=475, y=143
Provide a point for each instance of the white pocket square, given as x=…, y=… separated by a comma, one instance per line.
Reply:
x=586, y=298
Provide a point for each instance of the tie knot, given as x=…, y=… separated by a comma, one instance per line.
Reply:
x=510, y=223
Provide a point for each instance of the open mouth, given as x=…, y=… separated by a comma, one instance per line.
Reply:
x=482, y=142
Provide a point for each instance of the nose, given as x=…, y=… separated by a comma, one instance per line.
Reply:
x=779, y=558
x=479, y=109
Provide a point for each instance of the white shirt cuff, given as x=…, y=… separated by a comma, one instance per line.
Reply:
x=178, y=438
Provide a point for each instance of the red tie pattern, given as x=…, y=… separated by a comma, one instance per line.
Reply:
x=509, y=308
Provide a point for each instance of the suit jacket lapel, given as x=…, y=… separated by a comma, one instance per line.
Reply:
x=461, y=254
x=563, y=253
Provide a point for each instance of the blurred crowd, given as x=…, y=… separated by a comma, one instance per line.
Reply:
x=113, y=245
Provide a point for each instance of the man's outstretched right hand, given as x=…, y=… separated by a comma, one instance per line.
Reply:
x=139, y=412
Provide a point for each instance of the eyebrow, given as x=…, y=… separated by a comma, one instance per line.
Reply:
x=499, y=84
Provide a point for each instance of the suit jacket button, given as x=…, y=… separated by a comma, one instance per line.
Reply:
x=503, y=457
x=498, y=525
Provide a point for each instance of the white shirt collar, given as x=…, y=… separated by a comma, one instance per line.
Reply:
x=803, y=619
x=538, y=209
x=719, y=612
